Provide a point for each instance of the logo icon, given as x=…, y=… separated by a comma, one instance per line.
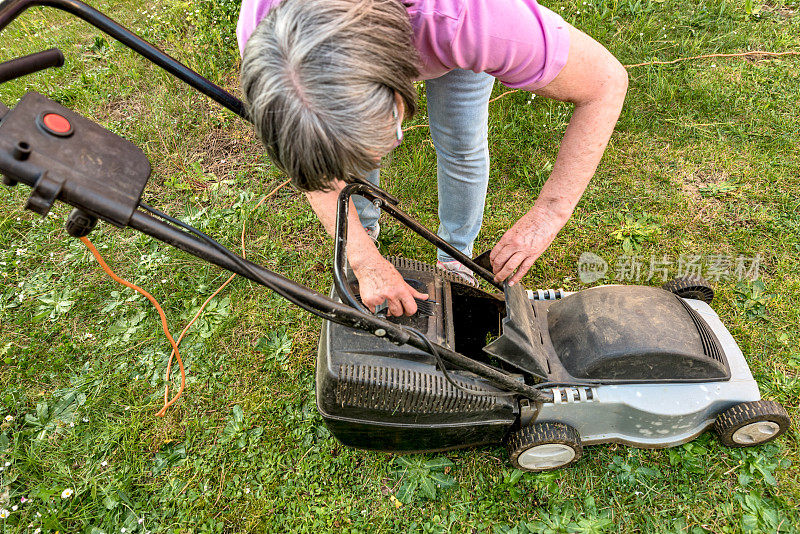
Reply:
x=591, y=267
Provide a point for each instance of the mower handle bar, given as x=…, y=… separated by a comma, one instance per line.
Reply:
x=11, y=9
x=25, y=65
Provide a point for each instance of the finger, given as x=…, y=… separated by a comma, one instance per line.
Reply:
x=523, y=268
x=372, y=303
x=409, y=305
x=495, y=251
x=502, y=258
x=417, y=295
x=508, y=267
x=395, y=307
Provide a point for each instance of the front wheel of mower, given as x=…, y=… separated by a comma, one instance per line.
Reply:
x=751, y=423
x=544, y=446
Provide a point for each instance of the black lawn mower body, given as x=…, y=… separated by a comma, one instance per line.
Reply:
x=383, y=397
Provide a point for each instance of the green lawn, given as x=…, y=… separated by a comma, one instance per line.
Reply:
x=705, y=161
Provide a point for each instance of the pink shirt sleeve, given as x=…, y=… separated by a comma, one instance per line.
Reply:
x=250, y=14
x=519, y=42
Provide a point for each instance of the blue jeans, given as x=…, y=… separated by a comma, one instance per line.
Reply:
x=458, y=114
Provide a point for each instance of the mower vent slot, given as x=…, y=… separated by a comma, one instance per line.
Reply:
x=414, y=265
x=425, y=308
x=711, y=346
x=396, y=390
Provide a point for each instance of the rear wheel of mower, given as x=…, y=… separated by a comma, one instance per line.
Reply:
x=751, y=423
x=544, y=446
x=691, y=287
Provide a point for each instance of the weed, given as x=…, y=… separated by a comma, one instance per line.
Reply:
x=390, y=238
x=633, y=231
x=753, y=298
x=422, y=478
x=752, y=9
x=564, y=519
x=169, y=456
x=626, y=472
x=760, y=515
x=237, y=431
x=718, y=189
x=277, y=347
x=759, y=464
x=690, y=457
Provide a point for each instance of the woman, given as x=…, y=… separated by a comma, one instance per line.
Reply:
x=328, y=83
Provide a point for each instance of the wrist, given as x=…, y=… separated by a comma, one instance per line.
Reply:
x=551, y=211
x=361, y=255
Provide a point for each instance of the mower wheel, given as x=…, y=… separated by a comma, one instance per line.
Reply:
x=544, y=446
x=751, y=423
x=690, y=287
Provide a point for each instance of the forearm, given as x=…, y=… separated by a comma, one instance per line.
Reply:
x=359, y=245
x=596, y=83
x=582, y=147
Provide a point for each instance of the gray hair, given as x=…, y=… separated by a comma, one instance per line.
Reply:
x=319, y=78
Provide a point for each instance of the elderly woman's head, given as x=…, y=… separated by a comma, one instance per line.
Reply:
x=322, y=80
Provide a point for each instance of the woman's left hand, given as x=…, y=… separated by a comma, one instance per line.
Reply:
x=596, y=83
x=522, y=244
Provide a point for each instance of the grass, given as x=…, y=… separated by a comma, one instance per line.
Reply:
x=704, y=162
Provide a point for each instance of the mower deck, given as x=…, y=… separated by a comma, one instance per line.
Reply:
x=629, y=364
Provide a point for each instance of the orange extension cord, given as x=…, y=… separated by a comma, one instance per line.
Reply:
x=152, y=299
x=175, y=352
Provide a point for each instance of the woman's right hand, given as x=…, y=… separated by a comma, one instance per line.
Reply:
x=379, y=282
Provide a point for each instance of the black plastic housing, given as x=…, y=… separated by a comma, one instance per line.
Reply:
x=88, y=167
x=373, y=394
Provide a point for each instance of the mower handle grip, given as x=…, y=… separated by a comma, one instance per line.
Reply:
x=29, y=64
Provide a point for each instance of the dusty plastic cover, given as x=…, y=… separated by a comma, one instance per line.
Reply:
x=520, y=344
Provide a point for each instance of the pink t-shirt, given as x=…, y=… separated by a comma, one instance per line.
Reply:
x=519, y=42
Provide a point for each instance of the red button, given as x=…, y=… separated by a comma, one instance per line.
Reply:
x=56, y=123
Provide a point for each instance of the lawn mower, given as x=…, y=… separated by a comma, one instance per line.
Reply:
x=543, y=372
